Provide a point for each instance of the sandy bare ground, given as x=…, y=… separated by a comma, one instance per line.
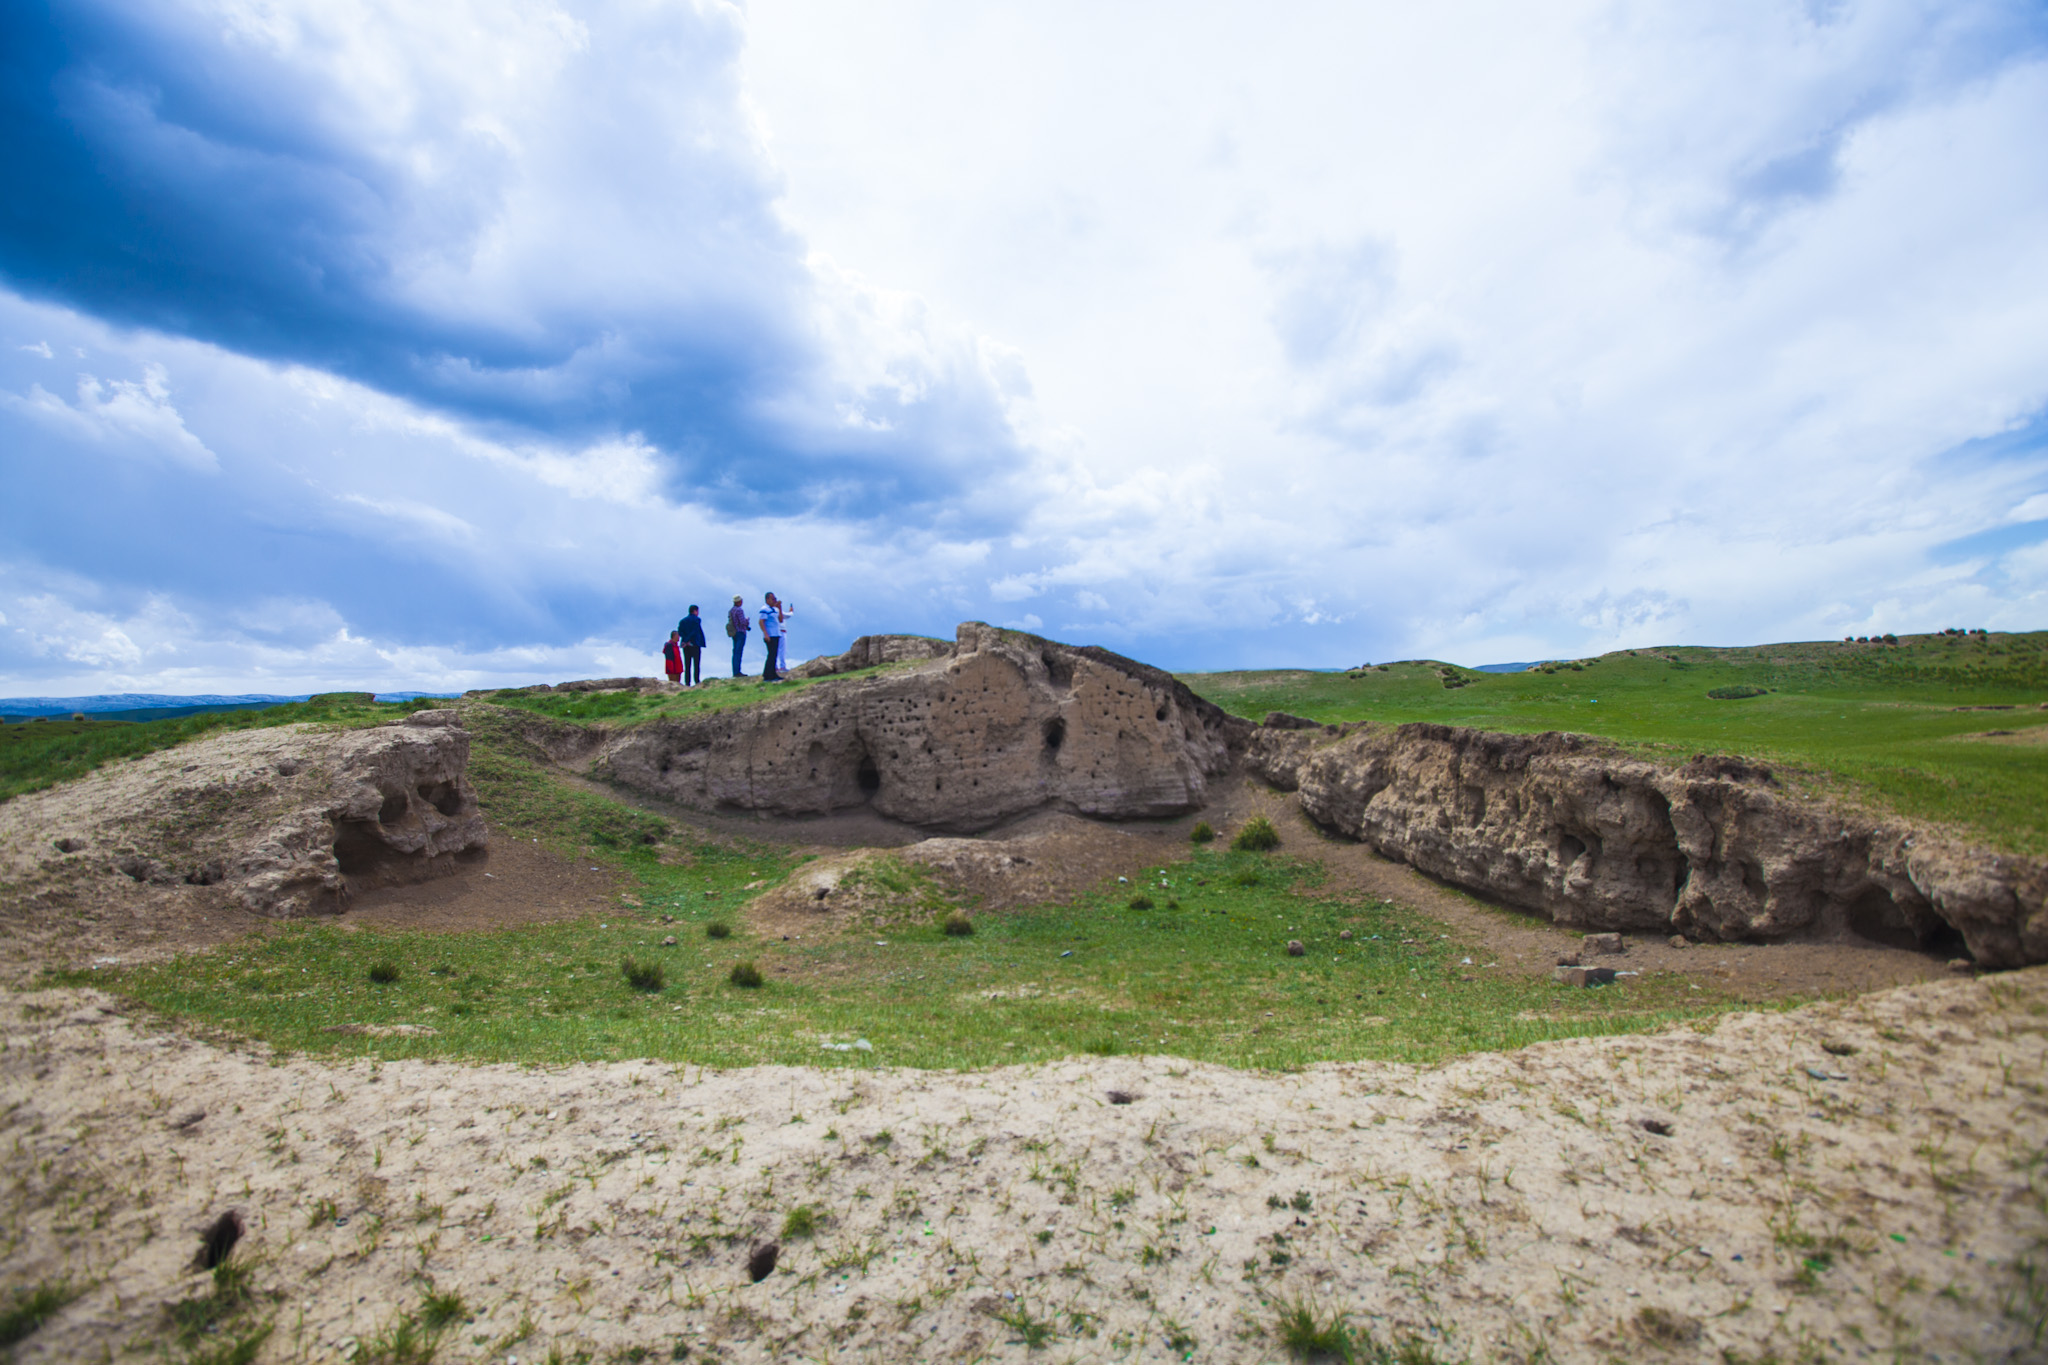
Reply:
x=1860, y=1179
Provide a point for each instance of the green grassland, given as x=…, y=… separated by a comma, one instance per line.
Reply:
x=1201, y=971
x=1877, y=723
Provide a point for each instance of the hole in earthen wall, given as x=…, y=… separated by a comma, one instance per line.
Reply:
x=444, y=797
x=867, y=776
x=394, y=808
x=1874, y=915
x=1055, y=734
x=217, y=1243
x=360, y=852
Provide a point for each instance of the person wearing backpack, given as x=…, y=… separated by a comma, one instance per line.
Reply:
x=691, y=629
x=736, y=627
x=672, y=657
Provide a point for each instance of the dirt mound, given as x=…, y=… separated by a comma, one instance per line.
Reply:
x=243, y=824
x=1868, y=1170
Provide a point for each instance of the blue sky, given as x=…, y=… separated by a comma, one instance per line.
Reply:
x=396, y=346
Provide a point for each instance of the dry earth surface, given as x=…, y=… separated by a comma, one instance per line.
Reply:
x=1853, y=1180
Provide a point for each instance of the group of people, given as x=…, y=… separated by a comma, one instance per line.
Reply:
x=682, y=656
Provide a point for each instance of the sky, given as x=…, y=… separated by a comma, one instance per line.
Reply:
x=388, y=346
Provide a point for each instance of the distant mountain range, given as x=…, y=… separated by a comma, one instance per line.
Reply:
x=157, y=706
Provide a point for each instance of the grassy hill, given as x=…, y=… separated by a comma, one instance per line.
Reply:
x=1891, y=724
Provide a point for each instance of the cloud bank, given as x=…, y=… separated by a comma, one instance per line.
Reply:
x=388, y=346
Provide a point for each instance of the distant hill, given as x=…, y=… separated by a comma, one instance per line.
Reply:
x=158, y=706
x=1503, y=668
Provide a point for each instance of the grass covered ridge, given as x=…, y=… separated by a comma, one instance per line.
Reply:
x=1881, y=719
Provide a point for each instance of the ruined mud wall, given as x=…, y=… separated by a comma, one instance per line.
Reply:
x=1564, y=825
x=1005, y=723
x=285, y=821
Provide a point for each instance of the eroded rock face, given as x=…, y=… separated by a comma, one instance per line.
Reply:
x=1588, y=836
x=871, y=650
x=1004, y=724
x=286, y=822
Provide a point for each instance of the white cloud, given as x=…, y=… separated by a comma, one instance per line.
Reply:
x=123, y=414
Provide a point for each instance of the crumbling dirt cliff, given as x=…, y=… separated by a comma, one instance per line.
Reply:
x=280, y=822
x=1589, y=836
x=1005, y=723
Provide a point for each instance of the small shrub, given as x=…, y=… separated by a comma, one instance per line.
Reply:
x=801, y=1221
x=1202, y=833
x=745, y=975
x=718, y=928
x=384, y=973
x=957, y=925
x=1257, y=836
x=1735, y=693
x=1245, y=876
x=1141, y=901
x=643, y=976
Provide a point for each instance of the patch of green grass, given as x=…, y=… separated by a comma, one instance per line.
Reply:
x=41, y=754
x=1209, y=981
x=1877, y=721
x=801, y=1221
x=634, y=708
x=30, y=1306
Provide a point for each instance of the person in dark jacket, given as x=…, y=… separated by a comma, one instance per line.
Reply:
x=691, y=629
x=672, y=657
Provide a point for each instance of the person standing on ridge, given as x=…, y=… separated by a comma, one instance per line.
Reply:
x=691, y=629
x=737, y=625
x=672, y=657
x=771, y=635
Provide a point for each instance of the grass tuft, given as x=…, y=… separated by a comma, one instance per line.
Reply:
x=643, y=976
x=439, y=1311
x=957, y=925
x=1309, y=1333
x=30, y=1306
x=1202, y=833
x=801, y=1221
x=1257, y=836
x=1141, y=901
x=718, y=928
x=384, y=972
x=745, y=975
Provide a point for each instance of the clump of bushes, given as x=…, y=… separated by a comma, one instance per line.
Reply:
x=643, y=976
x=1257, y=836
x=745, y=975
x=1736, y=693
x=1202, y=833
x=718, y=928
x=384, y=973
x=957, y=925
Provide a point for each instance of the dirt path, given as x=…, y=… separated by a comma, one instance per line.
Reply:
x=1846, y=1180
